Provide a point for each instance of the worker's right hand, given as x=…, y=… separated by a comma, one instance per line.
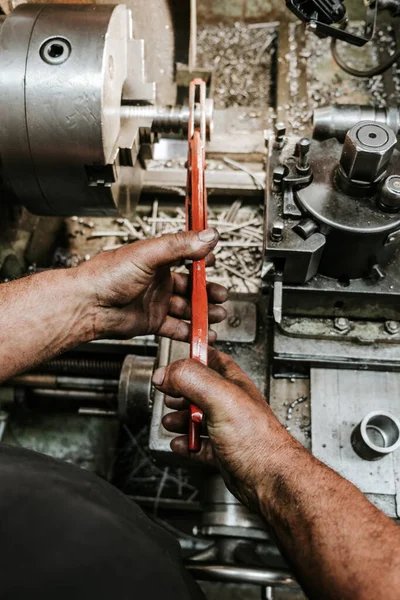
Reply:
x=132, y=290
x=245, y=437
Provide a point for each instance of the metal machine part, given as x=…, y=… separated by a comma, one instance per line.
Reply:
x=322, y=16
x=335, y=121
x=64, y=70
x=390, y=193
x=169, y=119
x=120, y=388
x=376, y=436
x=224, y=515
x=367, y=150
x=73, y=80
x=134, y=390
x=236, y=574
x=334, y=419
x=339, y=220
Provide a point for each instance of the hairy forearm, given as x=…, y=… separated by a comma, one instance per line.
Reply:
x=41, y=316
x=338, y=544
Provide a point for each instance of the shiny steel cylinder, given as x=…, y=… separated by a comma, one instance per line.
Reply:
x=376, y=436
x=135, y=387
x=224, y=515
x=169, y=119
x=336, y=120
x=64, y=70
x=237, y=574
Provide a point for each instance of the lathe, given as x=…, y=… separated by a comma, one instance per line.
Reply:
x=302, y=121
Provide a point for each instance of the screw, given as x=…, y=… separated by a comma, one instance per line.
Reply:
x=342, y=324
x=394, y=184
x=302, y=150
x=279, y=175
x=392, y=327
x=234, y=321
x=277, y=230
x=377, y=274
x=280, y=131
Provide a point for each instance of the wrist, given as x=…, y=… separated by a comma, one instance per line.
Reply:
x=280, y=463
x=79, y=299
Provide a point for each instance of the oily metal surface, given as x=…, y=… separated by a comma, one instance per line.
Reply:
x=335, y=209
x=61, y=117
x=339, y=401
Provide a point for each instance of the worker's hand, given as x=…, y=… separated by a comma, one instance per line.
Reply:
x=244, y=434
x=133, y=291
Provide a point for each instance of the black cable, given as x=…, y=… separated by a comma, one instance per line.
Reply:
x=370, y=72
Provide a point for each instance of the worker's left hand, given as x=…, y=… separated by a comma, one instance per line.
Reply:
x=134, y=292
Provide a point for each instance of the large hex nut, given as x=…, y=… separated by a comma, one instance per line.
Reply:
x=367, y=150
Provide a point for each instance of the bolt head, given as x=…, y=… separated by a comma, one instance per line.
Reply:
x=390, y=193
x=342, y=324
x=277, y=230
x=303, y=146
x=234, y=321
x=367, y=149
x=392, y=327
x=280, y=130
x=279, y=174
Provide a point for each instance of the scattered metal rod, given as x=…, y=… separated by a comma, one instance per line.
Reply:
x=154, y=216
x=240, y=167
x=239, y=249
x=100, y=234
x=237, y=273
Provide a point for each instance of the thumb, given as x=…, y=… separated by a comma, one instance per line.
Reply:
x=200, y=385
x=170, y=248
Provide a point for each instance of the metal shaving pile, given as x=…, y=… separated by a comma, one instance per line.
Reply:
x=239, y=56
x=323, y=89
x=238, y=254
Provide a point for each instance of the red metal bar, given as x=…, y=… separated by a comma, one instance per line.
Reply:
x=196, y=219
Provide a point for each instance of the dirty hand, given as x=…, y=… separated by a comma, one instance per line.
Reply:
x=133, y=291
x=244, y=435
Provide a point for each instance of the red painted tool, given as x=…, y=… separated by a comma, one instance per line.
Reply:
x=196, y=219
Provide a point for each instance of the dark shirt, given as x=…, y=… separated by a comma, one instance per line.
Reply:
x=65, y=534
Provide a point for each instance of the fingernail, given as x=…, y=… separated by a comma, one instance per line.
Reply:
x=158, y=376
x=208, y=235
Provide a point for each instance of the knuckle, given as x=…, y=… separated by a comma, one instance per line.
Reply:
x=180, y=369
x=176, y=242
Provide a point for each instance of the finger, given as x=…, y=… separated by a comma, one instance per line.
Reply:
x=176, y=403
x=205, y=456
x=201, y=385
x=167, y=249
x=180, y=307
x=179, y=330
x=216, y=293
x=177, y=422
x=210, y=260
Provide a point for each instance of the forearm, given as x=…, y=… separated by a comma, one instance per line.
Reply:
x=338, y=543
x=41, y=316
